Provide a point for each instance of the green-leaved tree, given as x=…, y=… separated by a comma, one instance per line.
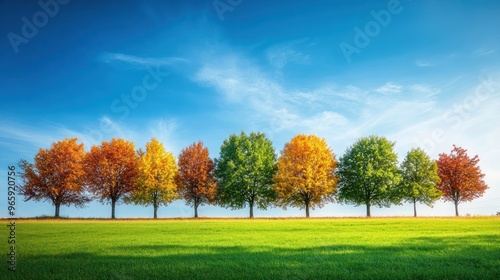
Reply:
x=368, y=173
x=420, y=179
x=244, y=171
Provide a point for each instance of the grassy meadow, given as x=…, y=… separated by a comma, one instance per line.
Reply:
x=377, y=248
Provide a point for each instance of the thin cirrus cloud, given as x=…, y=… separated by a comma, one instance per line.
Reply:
x=25, y=140
x=484, y=51
x=389, y=88
x=141, y=61
x=464, y=118
x=341, y=113
x=281, y=55
x=32, y=137
x=424, y=90
x=251, y=90
x=163, y=129
x=424, y=63
x=240, y=82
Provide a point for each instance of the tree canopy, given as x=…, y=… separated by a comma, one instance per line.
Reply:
x=461, y=177
x=56, y=175
x=111, y=171
x=245, y=170
x=195, y=179
x=419, y=179
x=155, y=183
x=368, y=173
x=306, y=173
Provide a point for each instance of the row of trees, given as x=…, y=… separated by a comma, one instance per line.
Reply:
x=249, y=173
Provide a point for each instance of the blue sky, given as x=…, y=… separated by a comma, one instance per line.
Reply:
x=421, y=73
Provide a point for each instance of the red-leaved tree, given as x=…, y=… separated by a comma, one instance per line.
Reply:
x=196, y=183
x=461, y=177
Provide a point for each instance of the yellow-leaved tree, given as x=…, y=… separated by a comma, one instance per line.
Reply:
x=306, y=173
x=156, y=182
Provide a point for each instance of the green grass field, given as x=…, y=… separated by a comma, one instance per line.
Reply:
x=379, y=248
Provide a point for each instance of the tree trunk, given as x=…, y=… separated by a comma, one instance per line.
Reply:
x=251, y=209
x=113, y=204
x=56, y=215
x=456, y=209
x=368, y=210
x=195, y=208
x=307, y=210
x=414, y=207
x=155, y=206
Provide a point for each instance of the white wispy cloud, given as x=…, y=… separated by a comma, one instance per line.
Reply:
x=238, y=81
x=389, y=87
x=424, y=63
x=281, y=55
x=470, y=119
x=341, y=114
x=106, y=128
x=484, y=51
x=103, y=129
x=24, y=139
x=424, y=90
x=165, y=131
x=144, y=61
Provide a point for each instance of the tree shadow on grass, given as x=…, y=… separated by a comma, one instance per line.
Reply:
x=478, y=257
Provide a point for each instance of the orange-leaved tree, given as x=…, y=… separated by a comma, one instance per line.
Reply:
x=461, y=177
x=156, y=182
x=111, y=171
x=57, y=175
x=195, y=179
x=306, y=173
